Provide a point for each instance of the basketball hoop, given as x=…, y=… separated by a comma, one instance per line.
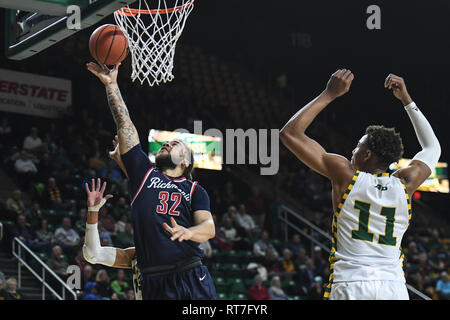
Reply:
x=152, y=35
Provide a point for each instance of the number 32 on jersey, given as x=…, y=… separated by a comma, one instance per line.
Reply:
x=163, y=207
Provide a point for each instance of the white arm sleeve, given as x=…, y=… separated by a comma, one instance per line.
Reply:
x=431, y=149
x=93, y=252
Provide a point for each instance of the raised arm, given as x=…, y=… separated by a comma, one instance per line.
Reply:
x=93, y=252
x=310, y=152
x=424, y=162
x=128, y=136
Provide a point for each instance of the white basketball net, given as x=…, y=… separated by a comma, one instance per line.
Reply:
x=152, y=37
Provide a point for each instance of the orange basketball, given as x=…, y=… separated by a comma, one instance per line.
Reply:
x=108, y=45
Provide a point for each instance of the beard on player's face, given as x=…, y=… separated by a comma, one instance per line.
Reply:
x=163, y=161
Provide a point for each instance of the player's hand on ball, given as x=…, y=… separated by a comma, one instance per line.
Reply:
x=339, y=83
x=106, y=75
x=398, y=87
x=178, y=232
x=95, y=196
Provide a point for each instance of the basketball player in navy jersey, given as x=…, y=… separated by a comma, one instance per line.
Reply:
x=170, y=212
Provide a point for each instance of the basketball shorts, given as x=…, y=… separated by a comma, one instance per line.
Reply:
x=191, y=284
x=369, y=290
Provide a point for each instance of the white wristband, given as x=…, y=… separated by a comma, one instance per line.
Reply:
x=97, y=207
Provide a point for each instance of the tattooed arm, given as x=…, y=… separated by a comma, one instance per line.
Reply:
x=128, y=136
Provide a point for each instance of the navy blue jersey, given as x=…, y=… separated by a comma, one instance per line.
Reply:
x=155, y=198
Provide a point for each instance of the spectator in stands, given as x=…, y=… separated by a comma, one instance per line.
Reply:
x=305, y=276
x=319, y=261
x=260, y=247
x=271, y=262
x=111, y=168
x=34, y=215
x=207, y=249
x=5, y=131
x=258, y=291
x=25, y=168
x=3, y=293
x=107, y=221
x=15, y=204
x=120, y=208
x=256, y=208
x=245, y=221
x=45, y=167
x=103, y=286
x=287, y=265
x=45, y=238
x=22, y=231
x=230, y=213
x=80, y=223
x=315, y=292
x=443, y=287
x=301, y=257
x=11, y=290
x=104, y=234
x=33, y=143
x=52, y=196
x=88, y=275
x=294, y=245
x=57, y=263
x=230, y=235
x=121, y=224
x=275, y=290
x=125, y=239
x=120, y=286
x=130, y=295
x=66, y=236
x=90, y=291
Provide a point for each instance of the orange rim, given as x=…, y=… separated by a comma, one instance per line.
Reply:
x=130, y=12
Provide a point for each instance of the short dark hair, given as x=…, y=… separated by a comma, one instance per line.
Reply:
x=385, y=143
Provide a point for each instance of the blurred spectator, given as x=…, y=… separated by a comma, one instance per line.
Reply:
x=45, y=168
x=33, y=143
x=275, y=290
x=121, y=208
x=52, y=196
x=443, y=287
x=258, y=291
x=35, y=216
x=3, y=293
x=5, y=131
x=90, y=291
x=15, y=204
x=245, y=221
x=111, y=169
x=319, y=261
x=66, y=236
x=22, y=231
x=80, y=223
x=230, y=213
x=88, y=275
x=120, y=286
x=295, y=244
x=287, y=265
x=207, y=249
x=26, y=169
x=260, y=247
x=45, y=238
x=301, y=257
x=11, y=290
x=57, y=263
x=103, y=286
x=107, y=221
x=125, y=239
x=130, y=295
x=271, y=262
x=121, y=224
x=315, y=292
x=255, y=207
x=305, y=276
x=230, y=235
x=96, y=162
x=105, y=237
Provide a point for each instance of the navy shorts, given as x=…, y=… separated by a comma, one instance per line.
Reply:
x=191, y=284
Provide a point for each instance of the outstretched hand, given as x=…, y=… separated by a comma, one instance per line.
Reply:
x=106, y=75
x=398, y=87
x=178, y=232
x=95, y=196
x=339, y=83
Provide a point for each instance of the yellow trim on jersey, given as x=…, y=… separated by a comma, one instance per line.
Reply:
x=334, y=226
